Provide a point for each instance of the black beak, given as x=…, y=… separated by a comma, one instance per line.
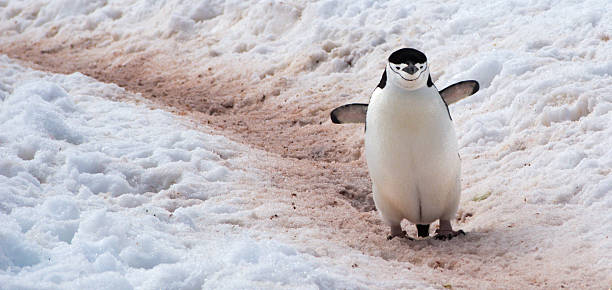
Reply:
x=411, y=69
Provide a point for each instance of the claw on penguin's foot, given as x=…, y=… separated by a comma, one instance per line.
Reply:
x=443, y=237
x=448, y=235
x=393, y=235
x=403, y=234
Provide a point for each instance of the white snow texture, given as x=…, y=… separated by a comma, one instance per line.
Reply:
x=87, y=184
x=89, y=197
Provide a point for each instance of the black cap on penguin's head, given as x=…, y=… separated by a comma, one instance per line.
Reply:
x=408, y=68
x=405, y=55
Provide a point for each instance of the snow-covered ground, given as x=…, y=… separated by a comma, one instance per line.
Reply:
x=82, y=176
x=100, y=194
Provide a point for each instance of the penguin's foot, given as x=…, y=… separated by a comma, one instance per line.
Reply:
x=445, y=232
x=396, y=231
x=403, y=234
x=447, y=235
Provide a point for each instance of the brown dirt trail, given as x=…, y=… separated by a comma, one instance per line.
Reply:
x=316, y=167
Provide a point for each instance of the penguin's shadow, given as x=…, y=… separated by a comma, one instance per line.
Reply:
x=481, y=245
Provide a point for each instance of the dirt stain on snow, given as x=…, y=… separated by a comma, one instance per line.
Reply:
x=316, y=168
x=250, y=110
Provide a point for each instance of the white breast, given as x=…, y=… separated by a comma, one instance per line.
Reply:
x=411, y=151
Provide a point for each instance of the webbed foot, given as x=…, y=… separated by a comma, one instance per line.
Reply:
x=443, y=236
x=403, y=234
x=396, y=231
x=445, y=232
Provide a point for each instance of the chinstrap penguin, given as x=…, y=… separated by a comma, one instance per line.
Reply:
x=410, y=145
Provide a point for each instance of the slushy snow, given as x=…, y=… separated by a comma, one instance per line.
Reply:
x=88, y=185
x=100, y=194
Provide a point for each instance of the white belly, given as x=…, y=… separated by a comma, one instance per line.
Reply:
x=412, y=155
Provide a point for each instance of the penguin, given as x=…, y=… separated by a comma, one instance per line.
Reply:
x=411, y=146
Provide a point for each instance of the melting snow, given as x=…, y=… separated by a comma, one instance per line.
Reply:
x=110, y=195
x=88, y=186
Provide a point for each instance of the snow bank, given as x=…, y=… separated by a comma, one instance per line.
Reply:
x=325, y=36
x=109, y=195
x=535, y=140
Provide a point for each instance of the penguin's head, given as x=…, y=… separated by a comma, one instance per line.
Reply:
x=408, y=69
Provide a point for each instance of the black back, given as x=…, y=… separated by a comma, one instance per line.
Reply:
x=447, y=110
x=383, y=80
x=443, y=100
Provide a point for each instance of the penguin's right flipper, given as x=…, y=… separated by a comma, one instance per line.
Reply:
x=459, y=91
x=350, y=113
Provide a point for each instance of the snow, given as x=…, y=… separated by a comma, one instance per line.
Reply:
x=114, y=195
x=88, y=184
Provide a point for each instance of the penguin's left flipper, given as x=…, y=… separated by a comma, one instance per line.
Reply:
x=350, y=113
x=459, y=91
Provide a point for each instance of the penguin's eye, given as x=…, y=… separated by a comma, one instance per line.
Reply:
x=420, y=67
x=397, y=67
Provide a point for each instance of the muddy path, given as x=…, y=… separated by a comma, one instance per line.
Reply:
x=315, y=168
x=254, y=112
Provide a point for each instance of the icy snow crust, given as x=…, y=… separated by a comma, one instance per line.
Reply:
x=535, y=140
x=98, y=194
